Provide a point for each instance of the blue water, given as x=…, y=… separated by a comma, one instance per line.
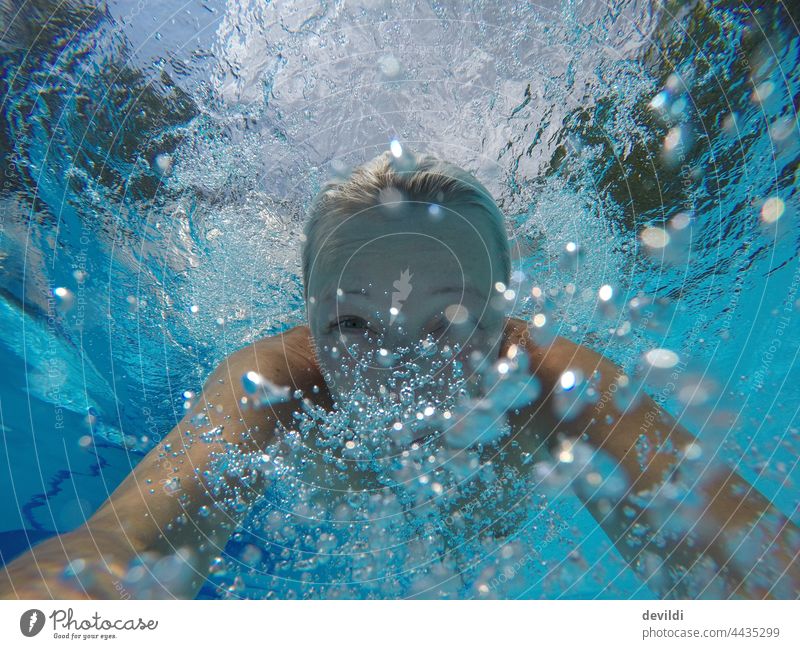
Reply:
x=158, y=160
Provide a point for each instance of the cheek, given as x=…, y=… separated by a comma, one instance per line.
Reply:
x=473, y=337
x=338, y=358
x=480, y=348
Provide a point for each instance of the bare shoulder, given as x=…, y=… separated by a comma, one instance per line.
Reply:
x=288, y=358
x=288, y=348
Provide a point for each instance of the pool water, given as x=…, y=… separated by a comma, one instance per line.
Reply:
x=158, y=160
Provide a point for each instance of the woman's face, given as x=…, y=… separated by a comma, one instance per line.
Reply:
x=409, y=289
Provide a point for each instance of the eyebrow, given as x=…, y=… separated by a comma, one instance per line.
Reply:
x=332, y=291
x=439, y=291
x=454, y=289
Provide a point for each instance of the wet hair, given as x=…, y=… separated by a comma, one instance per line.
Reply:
x=422, y=178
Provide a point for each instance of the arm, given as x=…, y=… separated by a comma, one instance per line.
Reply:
x=167, y=507
x=690, y=529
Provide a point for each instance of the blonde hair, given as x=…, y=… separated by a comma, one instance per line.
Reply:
x=410, y=178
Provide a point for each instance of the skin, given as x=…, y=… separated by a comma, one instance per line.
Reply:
x=370, y=252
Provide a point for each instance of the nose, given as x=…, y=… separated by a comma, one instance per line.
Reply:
x=396, y=342
x=393, y=357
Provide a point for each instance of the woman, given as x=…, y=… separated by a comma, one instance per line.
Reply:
x=405, y=254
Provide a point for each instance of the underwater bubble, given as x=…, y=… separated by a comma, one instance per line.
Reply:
x=509, y=385
x=694, y=391
x=403, y=160
x=421, y=475
x=659, y=102
x=251, y=555
x=772, y=209
x=386, y=358
x=172, y=485
x=693, y=451
x=391, y=197
x=661, y=358
x=569, y=379
x=64, y=298
x=543, y=329
x=427, y=347
x=339, y=170
x=74, y=568
x=673, y=139
x=163, y=163
x=674, y=84
x=782, y=128
x=396, y=148
x=456, y=313
x=609, y=302
x=649, y=313
x=678, y=107
x=520, y=394
x=623, y=329
x=212, y=436
x=677, y=141
x=680, y=221
x=546, y=474
x=672, y=244
x=435, y=212
x=475, y=421
x=174, y=569
x=390, y=68
x=729, y=123
x=654, y=237
x=573, y=393
x=762, y=91
x=264, y=391
x=570, y=257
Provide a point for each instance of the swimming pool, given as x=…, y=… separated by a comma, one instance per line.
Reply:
x=158, y=161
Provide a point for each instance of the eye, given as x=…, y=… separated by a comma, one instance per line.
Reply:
x=439, y=327
x=443, y=326
x=350, y=323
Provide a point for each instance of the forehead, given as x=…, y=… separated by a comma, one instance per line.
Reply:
x=444, y=245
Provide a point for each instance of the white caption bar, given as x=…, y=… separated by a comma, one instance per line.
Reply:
x=403, y=624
